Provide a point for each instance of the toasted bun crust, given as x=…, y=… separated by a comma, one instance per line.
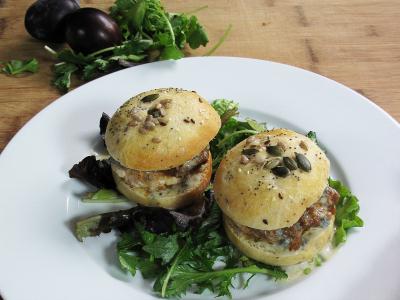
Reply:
x=251, y=195
x=191, y=124
x=277, y=255
x=171, y=198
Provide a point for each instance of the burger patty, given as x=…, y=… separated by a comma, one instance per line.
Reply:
x=317, y=215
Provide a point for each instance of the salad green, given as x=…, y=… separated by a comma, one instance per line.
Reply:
x=16, y=67
x=185, y=252
x=182, y=261
x=150, y=33
x=104, y=196
x=232, y=131
x=346, y=212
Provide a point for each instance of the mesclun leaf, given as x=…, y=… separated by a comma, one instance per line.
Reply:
x=228, y=114
x=210, y=223
x=104, y=196
x=129, y=262
x=312, y=136
x=347, y=208
x=224, y=105
x=96, y=172
x=147, y=221
x=127, y=242
x=346, y=212
x=103, y=124
x=232, y=130
x=182, y=261
x=16, y=67
x=219, y=281
x=260, y=127
x=164, y=247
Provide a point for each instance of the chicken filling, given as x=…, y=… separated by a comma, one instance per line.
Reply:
x=162, y=183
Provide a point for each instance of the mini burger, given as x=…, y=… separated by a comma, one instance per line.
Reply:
x=273, y=190
x=158, y=141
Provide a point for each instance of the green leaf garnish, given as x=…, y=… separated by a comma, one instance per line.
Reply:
x=149, y=33
x=346, y=212
x=182, y=261
x=312, y=136
x=62, y=75
x=104, y=196
x=307, y=271
x=16, y=67
x=232, y=131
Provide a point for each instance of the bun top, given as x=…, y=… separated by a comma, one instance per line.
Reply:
x=265, y=182
x=161, y=129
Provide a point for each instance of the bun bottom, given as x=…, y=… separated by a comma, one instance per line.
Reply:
x=278, y=255
x=170, y=198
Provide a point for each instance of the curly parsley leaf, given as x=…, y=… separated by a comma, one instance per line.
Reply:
x=16, y=67
x=346, y=212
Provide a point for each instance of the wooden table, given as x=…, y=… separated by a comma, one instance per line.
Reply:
x=355, y=42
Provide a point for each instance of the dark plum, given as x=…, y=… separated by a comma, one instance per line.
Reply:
x=44, y=19
x=89, y=29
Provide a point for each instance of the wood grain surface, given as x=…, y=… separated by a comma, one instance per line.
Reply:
x=354, y=42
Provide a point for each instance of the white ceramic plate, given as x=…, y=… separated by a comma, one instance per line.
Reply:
x=40, y=257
